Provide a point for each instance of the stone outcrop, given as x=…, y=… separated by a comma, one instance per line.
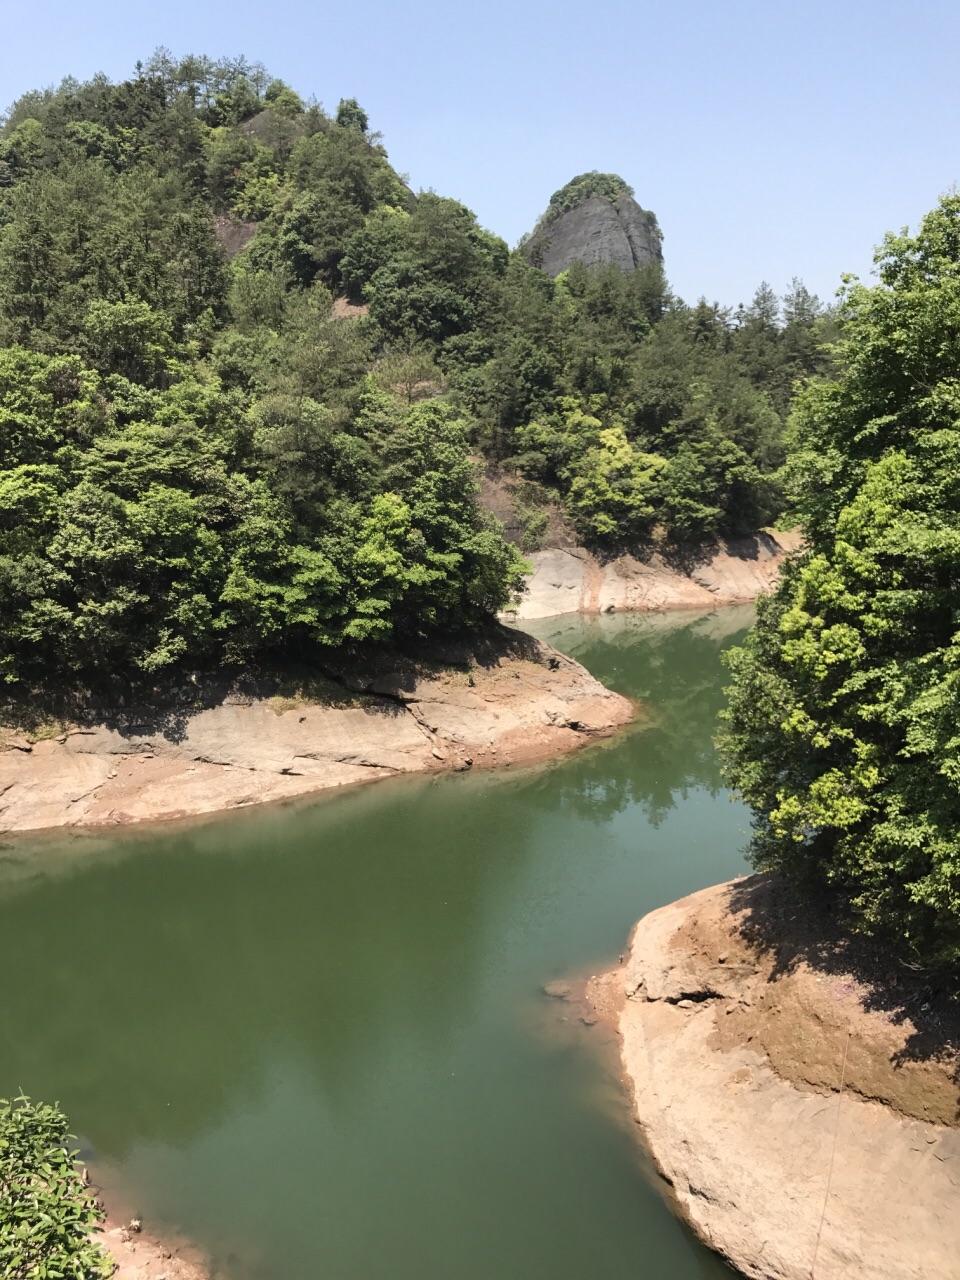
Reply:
x=573, y=580
x=596, y=232
x=234, y=234
x=510, y=699
x=803, y=1114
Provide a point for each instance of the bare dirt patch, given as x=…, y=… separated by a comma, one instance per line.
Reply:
x=234, y=234
x=344, y=309
x=532, y=518
x=137, y=1254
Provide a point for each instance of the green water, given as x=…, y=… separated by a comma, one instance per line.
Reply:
x=312, y=1037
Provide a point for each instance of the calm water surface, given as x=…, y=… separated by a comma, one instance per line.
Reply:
x=312, y=1036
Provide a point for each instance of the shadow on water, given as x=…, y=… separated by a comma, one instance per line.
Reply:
x=292, y=1032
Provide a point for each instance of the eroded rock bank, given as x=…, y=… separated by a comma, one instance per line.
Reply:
x=734, y=571
x=801, y=1101
x=502, y=698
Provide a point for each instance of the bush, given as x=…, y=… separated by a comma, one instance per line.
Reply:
x=609, y=186
x=46, y=1211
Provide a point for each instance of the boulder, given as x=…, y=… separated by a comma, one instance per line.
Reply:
x=732, y=571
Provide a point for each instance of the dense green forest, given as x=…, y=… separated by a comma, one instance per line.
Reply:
x=207, y=454
x=843, y=731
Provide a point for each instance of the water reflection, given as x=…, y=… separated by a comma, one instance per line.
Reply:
x=671, y=664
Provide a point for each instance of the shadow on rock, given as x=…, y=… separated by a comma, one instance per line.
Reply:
x=165, y=707
x=793, y=929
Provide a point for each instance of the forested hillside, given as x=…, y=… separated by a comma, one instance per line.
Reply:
x=207, y=453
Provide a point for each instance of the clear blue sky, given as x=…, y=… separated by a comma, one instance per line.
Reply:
x=772, y=137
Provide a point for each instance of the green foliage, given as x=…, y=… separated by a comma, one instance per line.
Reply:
x=682, y=384
x=232, y=161
x=130, y=339
x=438, y=273
x=282, y=100
x=193, y=533
x=382, y=238
x=350, y=115
x=609, y=186
x=23, y=151
x=611, y=484
x=534, y=522
x=46, y=1211
x=238, y=101
x=842, y=731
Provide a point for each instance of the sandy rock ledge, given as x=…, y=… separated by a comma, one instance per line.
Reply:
x=733, y=571
x=737, y=1027
x=506, y=699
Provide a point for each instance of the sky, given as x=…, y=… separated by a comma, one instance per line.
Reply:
x=772, y=139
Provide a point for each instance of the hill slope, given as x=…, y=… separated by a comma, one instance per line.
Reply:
x=247, y=382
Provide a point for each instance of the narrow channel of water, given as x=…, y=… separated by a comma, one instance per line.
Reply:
x=312, y=1037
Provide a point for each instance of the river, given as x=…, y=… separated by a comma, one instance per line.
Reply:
x=313, y=1038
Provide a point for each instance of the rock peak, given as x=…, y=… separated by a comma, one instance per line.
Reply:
x=595, y=220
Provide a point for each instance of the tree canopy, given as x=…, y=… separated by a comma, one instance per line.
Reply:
x=842, y=732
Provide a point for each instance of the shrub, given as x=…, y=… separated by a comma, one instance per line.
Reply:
x=46, y=1211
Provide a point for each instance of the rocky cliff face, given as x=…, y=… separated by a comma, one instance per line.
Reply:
x=734, y=571
x=596, y=232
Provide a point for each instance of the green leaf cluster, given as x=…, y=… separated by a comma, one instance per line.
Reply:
x=139, y=529
x=608, y=186
x=200, y=463
x=697, y=394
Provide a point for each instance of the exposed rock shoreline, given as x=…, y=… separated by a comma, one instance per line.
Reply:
x=139, y=1254
x=734, y=571
x=502, y=699
x=803, y=1109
